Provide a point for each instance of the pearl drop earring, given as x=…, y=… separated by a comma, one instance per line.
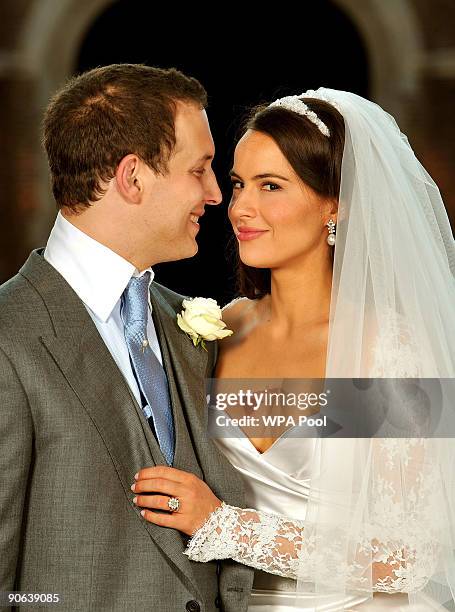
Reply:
x=331, y=237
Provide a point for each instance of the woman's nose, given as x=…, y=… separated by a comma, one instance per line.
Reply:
x=241, y=205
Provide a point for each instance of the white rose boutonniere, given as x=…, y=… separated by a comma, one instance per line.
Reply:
x=201, y=320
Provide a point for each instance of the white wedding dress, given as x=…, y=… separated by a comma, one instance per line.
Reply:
x=269, y=534
x=276, y=487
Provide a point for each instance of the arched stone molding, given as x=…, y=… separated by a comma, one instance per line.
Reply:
x=46, y=53
x=394, y=45
x=53, y=32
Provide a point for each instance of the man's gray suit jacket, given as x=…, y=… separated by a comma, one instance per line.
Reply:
x=72, y=436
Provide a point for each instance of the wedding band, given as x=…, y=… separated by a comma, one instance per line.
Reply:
x=173, y=503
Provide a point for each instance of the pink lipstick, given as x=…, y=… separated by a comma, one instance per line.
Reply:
x=249, y=233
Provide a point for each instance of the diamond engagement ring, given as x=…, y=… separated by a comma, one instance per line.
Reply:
x=174, y=504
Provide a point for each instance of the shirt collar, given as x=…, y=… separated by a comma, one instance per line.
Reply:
x=97, y=275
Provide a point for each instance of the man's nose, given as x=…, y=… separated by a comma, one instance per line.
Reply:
x=213, y=196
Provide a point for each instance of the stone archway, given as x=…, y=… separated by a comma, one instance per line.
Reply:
x=53, y=31
x=52, y=34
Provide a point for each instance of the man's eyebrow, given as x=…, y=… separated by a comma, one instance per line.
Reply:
x=260, y=176
x=204, y=158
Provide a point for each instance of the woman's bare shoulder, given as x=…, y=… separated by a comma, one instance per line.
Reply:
x=236, y=312
x=238, y=316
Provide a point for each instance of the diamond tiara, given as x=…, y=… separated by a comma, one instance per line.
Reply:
x=295, y=104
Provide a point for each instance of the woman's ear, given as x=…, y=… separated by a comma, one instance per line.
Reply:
x=334, y=207
x=128, y=178
x=331, y=210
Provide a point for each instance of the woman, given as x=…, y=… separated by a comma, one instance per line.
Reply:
x=347, y=270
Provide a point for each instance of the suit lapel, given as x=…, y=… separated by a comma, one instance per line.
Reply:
x=84, y=360
x=185, y=366
x=189, y=362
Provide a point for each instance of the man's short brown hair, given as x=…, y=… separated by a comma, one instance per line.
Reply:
x=106, y=113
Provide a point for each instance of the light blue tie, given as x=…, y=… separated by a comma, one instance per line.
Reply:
x=149, y=372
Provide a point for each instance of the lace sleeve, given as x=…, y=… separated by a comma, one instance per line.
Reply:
x=261, y=540
x=273, y=543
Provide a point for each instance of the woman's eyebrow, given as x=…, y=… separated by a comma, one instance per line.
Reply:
x=260, y=176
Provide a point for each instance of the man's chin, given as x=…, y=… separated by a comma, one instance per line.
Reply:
x=192, y=250
x=186, y=253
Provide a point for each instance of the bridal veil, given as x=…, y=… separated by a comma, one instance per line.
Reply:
x=381, y=511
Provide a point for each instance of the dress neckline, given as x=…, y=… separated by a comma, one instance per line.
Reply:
x=251, y=445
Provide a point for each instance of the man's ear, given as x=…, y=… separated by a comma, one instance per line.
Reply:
x=129, y=178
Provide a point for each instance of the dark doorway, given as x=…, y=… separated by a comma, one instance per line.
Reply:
x=243, y=56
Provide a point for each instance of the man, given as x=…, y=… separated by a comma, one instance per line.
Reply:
x=96, y=378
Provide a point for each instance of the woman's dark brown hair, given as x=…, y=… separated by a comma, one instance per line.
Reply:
x=314, y=157
x=106, y=113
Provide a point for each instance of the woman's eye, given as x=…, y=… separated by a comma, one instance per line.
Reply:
x=200, y=171
x=236, y=184
x=273, y=186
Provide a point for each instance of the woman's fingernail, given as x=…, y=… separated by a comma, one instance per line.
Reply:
x=135, y=500
x=142, y=512
x=136, y=476
x=133, y=487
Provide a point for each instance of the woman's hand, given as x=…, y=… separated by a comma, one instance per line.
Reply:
x=196, y=499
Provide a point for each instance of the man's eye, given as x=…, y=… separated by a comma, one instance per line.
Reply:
x=199, y=171
x=273, y=186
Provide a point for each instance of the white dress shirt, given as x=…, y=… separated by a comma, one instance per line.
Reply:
x=99, y=277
